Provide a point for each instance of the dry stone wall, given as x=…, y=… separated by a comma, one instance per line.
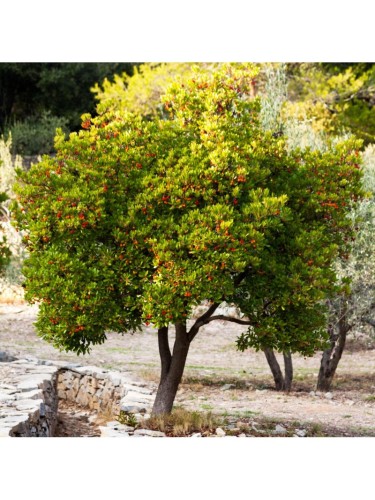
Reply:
x=30, y=390
x=97, y=389
x=28, y=399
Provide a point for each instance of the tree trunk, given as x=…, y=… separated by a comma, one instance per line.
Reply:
x=275, y=369
x=282, y=382
x=288, y=367
x=332, y=355
x=172, y=367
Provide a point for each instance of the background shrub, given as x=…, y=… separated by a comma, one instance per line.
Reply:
x=35, y=135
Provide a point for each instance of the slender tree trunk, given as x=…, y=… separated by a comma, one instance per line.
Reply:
x=172, y=367
x=288, y=367
x=283, y=382
x=331, y=356
x=275, y=369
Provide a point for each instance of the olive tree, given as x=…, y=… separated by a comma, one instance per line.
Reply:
x=353, y=308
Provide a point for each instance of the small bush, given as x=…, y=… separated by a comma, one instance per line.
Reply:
x=35, y=135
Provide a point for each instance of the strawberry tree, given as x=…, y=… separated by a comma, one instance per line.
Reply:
x=138, y=221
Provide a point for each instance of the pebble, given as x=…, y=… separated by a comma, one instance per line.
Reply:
x=279, y=429
x=220, y=432
x=328, y=395
x=227, y=387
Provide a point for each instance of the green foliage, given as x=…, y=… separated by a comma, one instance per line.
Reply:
x=140, y=93
x=140, y=220
x=35, y=135
x=126, y=418
x=297, y=274
x=337, y=98
x=358, y=267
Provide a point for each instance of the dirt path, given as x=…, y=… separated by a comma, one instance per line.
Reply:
x=219, y=378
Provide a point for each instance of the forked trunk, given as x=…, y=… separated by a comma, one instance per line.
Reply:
x=275, y=369
x=288, y=368
x=172, y=368
x=283, y=382
x=332, y=355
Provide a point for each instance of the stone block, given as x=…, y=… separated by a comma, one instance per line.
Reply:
x=94, y=383
x=61, y=394
x=30, y=384
x=106, y=395
x=115, y=378
x=148, y=432
x=35, y=394
x=5, y=396
x=28, y=404
x=109, y=432
x=133, y=408
x=138, y=397
x=82, y=398
x=90, y=389
x=76, y=383
x=71, y=394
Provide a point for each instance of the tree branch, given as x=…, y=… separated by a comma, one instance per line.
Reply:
x=164, y=351
x=202, y=319
x=228, y=318
x=206, y=317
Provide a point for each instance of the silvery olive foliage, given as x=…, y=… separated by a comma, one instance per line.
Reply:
x=359, y=266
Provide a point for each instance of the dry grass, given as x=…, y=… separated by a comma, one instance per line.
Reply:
x=183, y=423
x=106, y=415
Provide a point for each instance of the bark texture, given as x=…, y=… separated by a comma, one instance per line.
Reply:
x=172, y=367
x=288, y=369
x=283, y=382
x=331, y=356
